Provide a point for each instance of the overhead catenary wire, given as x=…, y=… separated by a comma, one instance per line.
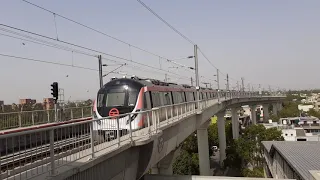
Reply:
x=86, y=48
x=164, y=21
x=112, y=37
x=119, y=40
x=46, y=62
x=65, y=48
x=179, y=33
x=91, y=28
x=54, y=63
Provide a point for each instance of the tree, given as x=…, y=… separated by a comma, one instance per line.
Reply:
x=186, y=164
x=314, y=113
x=247, y=150
x=290, y=110
x=190, y=144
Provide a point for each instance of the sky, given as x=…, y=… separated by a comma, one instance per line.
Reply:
x=270, y=42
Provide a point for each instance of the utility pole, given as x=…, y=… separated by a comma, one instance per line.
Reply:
x=260, y=90
x=218, y=85
x=270, y=89
x=242, y=80
x=100, y=71
x=228, y=82
x=191, y=81
x=196, y=73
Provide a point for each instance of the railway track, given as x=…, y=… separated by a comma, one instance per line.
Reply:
x=13, y=160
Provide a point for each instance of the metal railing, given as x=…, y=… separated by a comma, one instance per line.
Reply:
x=35, y=152
x=30, y=118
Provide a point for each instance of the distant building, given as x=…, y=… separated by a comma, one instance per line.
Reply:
x=305, y=108
x=1, y=103
x=27, y=101
x=48, y=103
x=298, y=129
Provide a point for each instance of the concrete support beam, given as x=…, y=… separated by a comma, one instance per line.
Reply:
x=222, y=137
x=265, y=112
x=203, y=150
x=253, y=114
x=164, y=167
x=275, y=107
x=235, y=123
x=279, y=106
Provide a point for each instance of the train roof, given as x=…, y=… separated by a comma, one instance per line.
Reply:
x=155, y=82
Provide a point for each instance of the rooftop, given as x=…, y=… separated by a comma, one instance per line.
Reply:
x=302, y=156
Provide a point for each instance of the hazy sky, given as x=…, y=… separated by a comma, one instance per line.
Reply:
x=268, y=42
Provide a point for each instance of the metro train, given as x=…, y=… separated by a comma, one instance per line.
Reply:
x=129, y=95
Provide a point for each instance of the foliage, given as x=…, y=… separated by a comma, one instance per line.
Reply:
x=247, y=150
x=190, y=144
x=275, y=118
x=233, y=159
x=186, y=164
x=314, y=113
x=213, y=135
x=255, y=172
x=290, y=110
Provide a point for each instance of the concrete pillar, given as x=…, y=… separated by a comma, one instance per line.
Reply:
x=203, y=150
x=316, y=106
x=235, y=123
x=279, y=106
x=164, y=167
x=222, y=137
x=265, y=112
x=253, y=114
x=275, y=109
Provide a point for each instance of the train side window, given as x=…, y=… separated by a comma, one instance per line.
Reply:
x=161, y=98
x=188, y=96
x=167, y=98
x=183, y=97
x=175, y=97
x=146, y=99
x=100, y=100
x=155, y=99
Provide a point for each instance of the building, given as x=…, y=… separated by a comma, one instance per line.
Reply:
x=1, y=103
x=291, y=160
x=300, y=121
x=27, y=101
x=305, y=108
x=48, y=103
x=293, y=132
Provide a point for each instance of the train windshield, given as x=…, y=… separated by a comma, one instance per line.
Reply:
x=133, y=95
x=117, y=97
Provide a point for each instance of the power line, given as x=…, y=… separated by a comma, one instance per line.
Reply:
x=178, y=32
x=91, y=28
x=83, y=47
x=207, y=58
x=48, y=44
x=47, y=62
x=62, y=48
x=164, y=21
